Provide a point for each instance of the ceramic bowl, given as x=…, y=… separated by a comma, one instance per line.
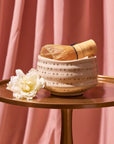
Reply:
x=66, y=78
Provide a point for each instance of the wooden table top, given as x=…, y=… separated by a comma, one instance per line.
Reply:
x=100, y=96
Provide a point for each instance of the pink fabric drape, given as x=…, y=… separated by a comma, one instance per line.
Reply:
x=27, y=25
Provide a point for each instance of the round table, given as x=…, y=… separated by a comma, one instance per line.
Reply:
x=100, y=96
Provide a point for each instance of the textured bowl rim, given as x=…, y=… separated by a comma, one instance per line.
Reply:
x=70, y=61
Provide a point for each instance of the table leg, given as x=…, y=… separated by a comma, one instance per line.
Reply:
x=66, y=131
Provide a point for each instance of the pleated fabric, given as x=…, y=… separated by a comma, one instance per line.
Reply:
x=25, y=26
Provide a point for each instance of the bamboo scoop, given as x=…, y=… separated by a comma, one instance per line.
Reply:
x=66, y=52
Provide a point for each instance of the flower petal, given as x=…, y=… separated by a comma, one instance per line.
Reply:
x=25, y=86
x=19, y=73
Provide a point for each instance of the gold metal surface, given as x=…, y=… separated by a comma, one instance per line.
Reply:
x=102, y=78
x=66, y=133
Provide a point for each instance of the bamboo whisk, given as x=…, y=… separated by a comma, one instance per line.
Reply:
x=65, y=52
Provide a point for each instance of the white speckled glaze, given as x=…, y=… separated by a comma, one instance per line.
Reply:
x=68, y=78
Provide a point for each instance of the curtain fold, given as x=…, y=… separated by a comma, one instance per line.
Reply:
x=107, y=127
x=14, y=39
x=43, y=126
x=13, y=119
x=25, y=26
x=6, y=14
x=44, y=26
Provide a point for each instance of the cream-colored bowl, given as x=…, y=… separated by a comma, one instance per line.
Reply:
x=66, y=78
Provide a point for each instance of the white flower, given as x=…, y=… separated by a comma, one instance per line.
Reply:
x=25, y=86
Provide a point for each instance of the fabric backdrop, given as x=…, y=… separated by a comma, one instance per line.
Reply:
x=25, y=26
